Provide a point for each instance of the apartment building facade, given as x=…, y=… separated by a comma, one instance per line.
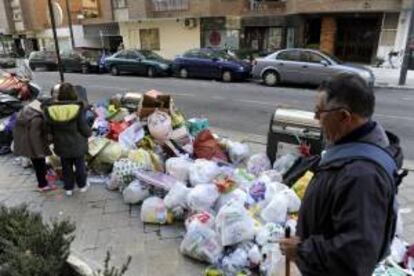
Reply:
x=354, y=30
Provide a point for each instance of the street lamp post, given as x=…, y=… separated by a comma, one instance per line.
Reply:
x=52, y=19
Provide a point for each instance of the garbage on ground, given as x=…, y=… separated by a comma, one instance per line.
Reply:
x=235, y=206
x=153, y=211
x=258, y=163
x=135, y=193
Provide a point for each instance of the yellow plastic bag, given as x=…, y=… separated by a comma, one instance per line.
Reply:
x=302, y=184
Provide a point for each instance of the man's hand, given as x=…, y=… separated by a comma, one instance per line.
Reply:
x=289, y=247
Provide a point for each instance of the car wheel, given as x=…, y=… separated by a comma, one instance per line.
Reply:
x=150, y=72
x=271, y=78
x=183, y=73
x=227, y=76
x=85, y=69
x=114, y=71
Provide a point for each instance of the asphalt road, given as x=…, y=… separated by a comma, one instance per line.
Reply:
x=244, y=107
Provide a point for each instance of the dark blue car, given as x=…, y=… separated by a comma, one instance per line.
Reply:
x=211, y=63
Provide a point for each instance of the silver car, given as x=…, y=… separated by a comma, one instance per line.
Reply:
x=304, y=66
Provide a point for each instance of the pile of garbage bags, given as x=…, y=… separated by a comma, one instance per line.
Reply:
x=235, y=205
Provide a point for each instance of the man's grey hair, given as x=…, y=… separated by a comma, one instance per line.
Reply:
x=350, y=91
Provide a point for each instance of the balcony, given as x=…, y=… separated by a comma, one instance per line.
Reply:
x=177, y=8
x=266, y=7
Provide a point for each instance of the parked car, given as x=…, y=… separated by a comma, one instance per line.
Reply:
x=305, y=66
x=43, y=59
x=211, y=63
x=7, y=60
x=84, y=61
x=143, y=62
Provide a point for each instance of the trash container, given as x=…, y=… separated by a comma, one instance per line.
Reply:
x=289, y=128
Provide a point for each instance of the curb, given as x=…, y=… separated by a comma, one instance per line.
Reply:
x=393, y=86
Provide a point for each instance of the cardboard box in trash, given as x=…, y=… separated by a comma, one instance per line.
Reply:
x=153, y=100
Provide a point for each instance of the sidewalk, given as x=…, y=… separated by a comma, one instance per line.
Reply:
x=104, y=222
x=389, y=78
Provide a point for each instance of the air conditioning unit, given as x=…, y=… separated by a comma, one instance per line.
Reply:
x=190, y=23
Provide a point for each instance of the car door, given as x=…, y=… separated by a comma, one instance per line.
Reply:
x=133, y=62
x=191, y=62
x=290, y=66
x=75, y=60
x=207, y=64
x=318, y=68
x=212, y=65
x=120, y=61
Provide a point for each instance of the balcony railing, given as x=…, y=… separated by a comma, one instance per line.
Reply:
x=266, y=7
x=169, y=5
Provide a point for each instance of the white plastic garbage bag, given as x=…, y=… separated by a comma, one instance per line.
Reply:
x=235, y=261
x=258, y=163
x=202, y=197
x=234, y=224
x=202, y=218
x=179, y=167
x=177, y=196
x=135, y=192
x=284, y=163
x=293, y=200
x=238, y=152
x=202, y=243
x=237, y=195
x=254, y=255
x=243, y=179
x=131, y=136
x=271, y=176
x=398, y=249
x=273, y=260
x=154, y=211
x=203, y=171
x=270, y=233
x=160, y=126
x=276, y=211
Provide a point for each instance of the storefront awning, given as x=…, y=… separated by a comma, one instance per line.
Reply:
x=107, y=29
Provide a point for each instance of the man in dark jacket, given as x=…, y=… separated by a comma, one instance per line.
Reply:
x=344, y=223
x=70, y=132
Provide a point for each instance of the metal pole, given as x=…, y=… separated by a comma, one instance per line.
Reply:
x=72, y=38
x=52, y=19
x=407, y=52
x=102, y=40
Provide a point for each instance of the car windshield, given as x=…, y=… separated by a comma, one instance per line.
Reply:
x=151, y=55
x=334, y=58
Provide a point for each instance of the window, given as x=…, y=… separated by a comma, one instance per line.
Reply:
x=389, y=29
x=132, y=55
x=17, y=15
x=289, y=56
x=119, y=4
x=90, y=8
x=150, y=39
x=313, y=57
x=122, y=54
x=191, y=54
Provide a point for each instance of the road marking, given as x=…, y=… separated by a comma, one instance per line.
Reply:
x=395, y=117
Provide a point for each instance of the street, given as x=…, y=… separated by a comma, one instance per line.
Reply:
x=244, y=107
